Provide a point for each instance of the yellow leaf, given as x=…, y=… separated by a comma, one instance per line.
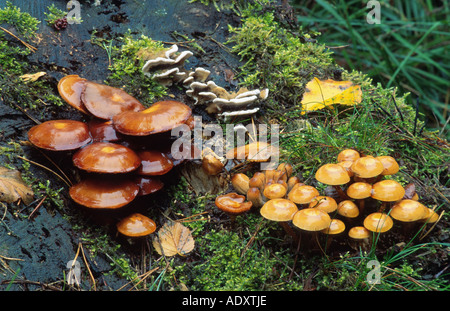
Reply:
x=173, y=238
x=320, y=94
x=13, y=188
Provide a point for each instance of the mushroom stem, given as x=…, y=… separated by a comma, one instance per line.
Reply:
x=289, y=231
x=361, y=204
x=341, y=192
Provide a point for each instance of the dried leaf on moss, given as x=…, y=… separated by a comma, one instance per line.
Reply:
x=173, y=238
x=13, y=188
x=323, y=93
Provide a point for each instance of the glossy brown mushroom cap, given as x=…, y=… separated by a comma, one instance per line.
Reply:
x=104, y=193
x=279, y=210
x=332, y=174
x=70, y=89
x=59, y=135
x=311, y=219
x=162, y=116
x=136, y=225
x=106, y=157
x=233, y=203
x=104, y=101
x=148, y=185
x=154, y=163
x=103, y=130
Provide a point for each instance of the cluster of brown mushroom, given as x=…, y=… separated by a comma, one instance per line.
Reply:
x=167, y=68
x=118, y=151
x=285, y=199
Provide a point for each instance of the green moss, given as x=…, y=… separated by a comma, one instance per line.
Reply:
x=127, y=59
x=278, y=59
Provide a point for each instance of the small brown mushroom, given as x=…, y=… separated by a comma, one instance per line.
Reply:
x=233, y=204
x=105, y=102
x=154, y=163
x=106, y=157
x=136, y=225
x=60, y=135
x=148, y=184
x=348, y=155
x=104, y=193
x=70, y=88
x=324, y=203
x=162, y=116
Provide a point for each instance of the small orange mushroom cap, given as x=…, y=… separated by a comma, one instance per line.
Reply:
x=348, y=208
x=325, y=203
x=348, y=155
x=106, y=157
x=60, y=135
x=302, y=194
x=367, y=167
x=311, y=219
x=359, y=190
x=274, y=191
x=388, y=191
x=359, y=233
x=233, y=203
x=390, y=165
x=336, y=226
x=279, y=210
x=332, y=174
x=136, y=225
x=378, y=222
x=162, y=116
x=408, y=210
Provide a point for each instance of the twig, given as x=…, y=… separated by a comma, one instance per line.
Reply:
x=44, y=167
x=32, y=48
x=37, y=207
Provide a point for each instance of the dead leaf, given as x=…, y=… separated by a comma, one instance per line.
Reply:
x=320, y=94
x=173, y=238
x=13, y=188
x=32, y=76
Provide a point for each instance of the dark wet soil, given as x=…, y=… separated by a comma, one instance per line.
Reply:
x=34, y=251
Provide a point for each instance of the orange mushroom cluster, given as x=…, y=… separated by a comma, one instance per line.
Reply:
x=357, y=179
x=118, y=150
x=283, y=198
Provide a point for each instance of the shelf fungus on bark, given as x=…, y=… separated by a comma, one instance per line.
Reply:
x=168, y=68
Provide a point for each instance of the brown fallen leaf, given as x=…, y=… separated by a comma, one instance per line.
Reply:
x=173, y=238
x=13, y=188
